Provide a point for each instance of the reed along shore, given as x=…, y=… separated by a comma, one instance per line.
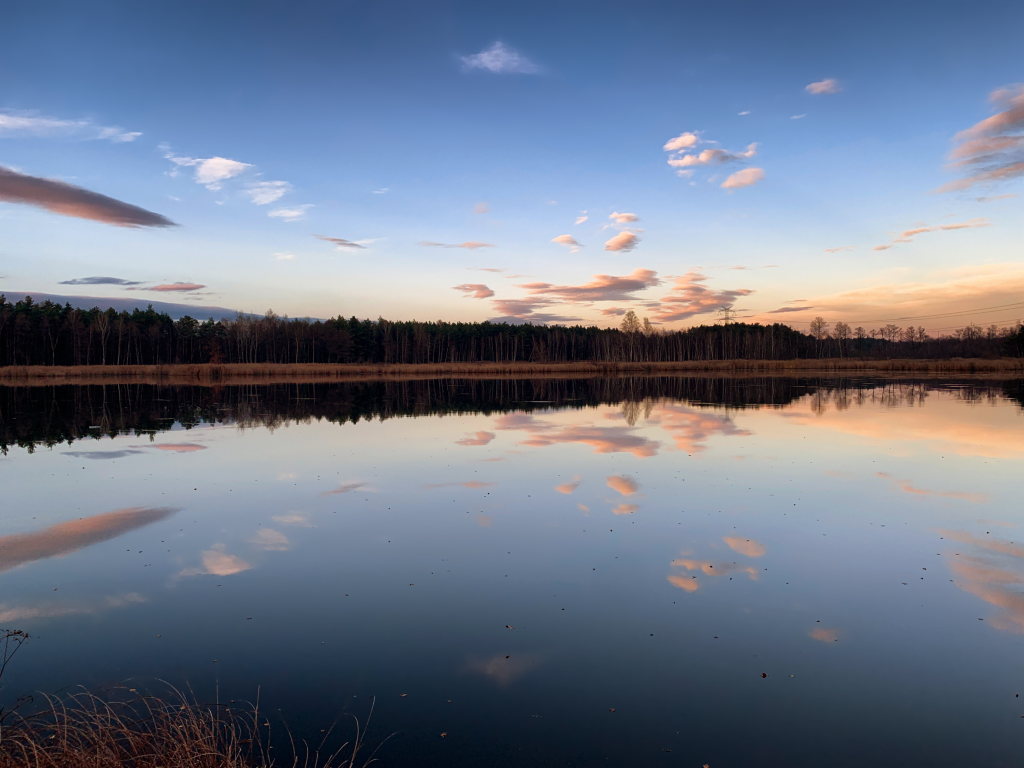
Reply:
x=269, y=373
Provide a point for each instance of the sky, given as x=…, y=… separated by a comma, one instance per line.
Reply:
x=535, y=162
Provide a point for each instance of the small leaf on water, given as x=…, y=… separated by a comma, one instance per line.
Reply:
x=611, y=709
x=764, y=675
x=509, y=626
x=443, y=734
x=403, y=695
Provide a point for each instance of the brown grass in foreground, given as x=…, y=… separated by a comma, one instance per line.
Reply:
x=270, y=373
x=88, y=731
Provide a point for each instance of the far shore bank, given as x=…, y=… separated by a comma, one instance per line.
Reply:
x=259, y=373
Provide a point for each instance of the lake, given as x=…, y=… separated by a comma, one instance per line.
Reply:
x=549, y=572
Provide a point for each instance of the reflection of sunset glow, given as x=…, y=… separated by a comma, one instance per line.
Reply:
x=180, y=447
x=64, y=538
x=990, y=575
x=501, y=669
x=484, y=521
x=346, y=488
x=270, y=540
x=825, y=635
x=690, y=427
x=690, y=584
x=217, y=562
x=906, y=487
x=748, y=547
x=624, y=484
x=625, y=509
x=470, y=484
x=479, y=438
x=569, y=487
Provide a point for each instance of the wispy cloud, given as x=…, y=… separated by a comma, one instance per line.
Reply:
x=488, y=269
x=381, y=191
x=745, y=178
x=210, y=171
x=993, y=149
x=347, y=488
x=284, y=256
x=69, y=200
x=266, y=192
x=290, y=214
x=907, y=487
x=474, y=290
x=582, y=217
x=176, y=287
x=525, y=310
x=217, y=562
x=993, y=198
x=341, y=243
x=481, y=208
x=476, y=439
x=568, y=240
x=840, y=248
x=500, y=59
x=99, y=281
x=623, y=218
x=623, y=484
x=32, y=124
x=822, y=87
x=690, y=297
x=470, y=245
x=270, y=540
x=784, y=310
x=624, y=241
x=601, y=288
x=747, y=547
x=570, y=487
x=712, y=156
x=745, y=112
x=798, y=117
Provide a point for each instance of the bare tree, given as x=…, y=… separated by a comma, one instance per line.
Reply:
x=648, y=329
x=103, y=324
x=841, y=333
x=630, y=323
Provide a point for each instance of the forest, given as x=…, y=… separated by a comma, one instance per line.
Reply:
x=45, y=333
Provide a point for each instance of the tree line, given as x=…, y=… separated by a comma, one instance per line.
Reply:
x=46, y=333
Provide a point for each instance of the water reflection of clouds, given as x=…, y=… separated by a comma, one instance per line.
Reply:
x=623, y=484
x=292, y=518
x=542, y=434
x=906, y=487
x=691, y=428
x=625, y=509
x=53, y=610
x=824, y=635
x=748, y=547
x=64, y=538
x=501, y=669
x=473, y=484
x=478, y=438
x=270, y=540
x=347, y=488
x=217, y=562
x=569, y=487
x=691, y=584
x=994, y=573
x=101, y=455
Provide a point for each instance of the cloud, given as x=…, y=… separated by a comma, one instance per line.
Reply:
x=99, y=281
x=471, y=245
x=601, y=288
x=31, y=124
x=691, y=428
x=613, y=312
x=570, y=487
x=266, y=192
x=748, y=547
x=682, y=141
x=69, y=200
x=623, y=484
x=290, y=214
x=783, y=310
x=471, y=484
x=478, y=438
x=65, y=538
x=541, y=434
x=381, y=191
x=172, y=287
x=581, y=219
x=270, y=540
x=567, y=240
x=474, y=290
x=625, y=509
x=907, y=235
x=623, y=218
x=822, y=87
x=216, y=562
x=708, y=569
x=689, y=297
x=525, y=310
x=798, y=117
x=993, y=149
x=840, y=248
x=624, y=241
x=481, y=208
x=500, y=60
x=210, y=171
x=284, y=256
x=881, y=248
x=341, y=243
x=993, y=198
x=712, y=157
x=745, y=112
x=178, y=447
x=488, y=269
x=745, y=178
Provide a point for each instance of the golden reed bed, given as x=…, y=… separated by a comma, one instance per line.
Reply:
x=221, y=373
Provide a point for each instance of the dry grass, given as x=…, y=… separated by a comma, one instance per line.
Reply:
x=270, y=373
x=88, y=731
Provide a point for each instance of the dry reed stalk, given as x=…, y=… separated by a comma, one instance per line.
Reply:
x=273, y=373
x=88, y=731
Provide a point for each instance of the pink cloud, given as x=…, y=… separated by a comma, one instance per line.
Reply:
x=690, y=297
x=822, y=87
x=601, y=288
x=185, y=287
x=479, y=438
x=745, y=178
x=992, y=150
x=474, y=290
x=624, y=241
x=180, y=447
x=470, y=245
x=623, y=484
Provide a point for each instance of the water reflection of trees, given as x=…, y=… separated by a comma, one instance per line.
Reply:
x=47, y=416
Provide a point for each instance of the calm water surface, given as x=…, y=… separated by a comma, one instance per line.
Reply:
x=581, y=572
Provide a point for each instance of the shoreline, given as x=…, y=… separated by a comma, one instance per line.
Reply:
x=277, y=373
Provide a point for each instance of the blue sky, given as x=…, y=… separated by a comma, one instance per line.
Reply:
x=389, y=125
